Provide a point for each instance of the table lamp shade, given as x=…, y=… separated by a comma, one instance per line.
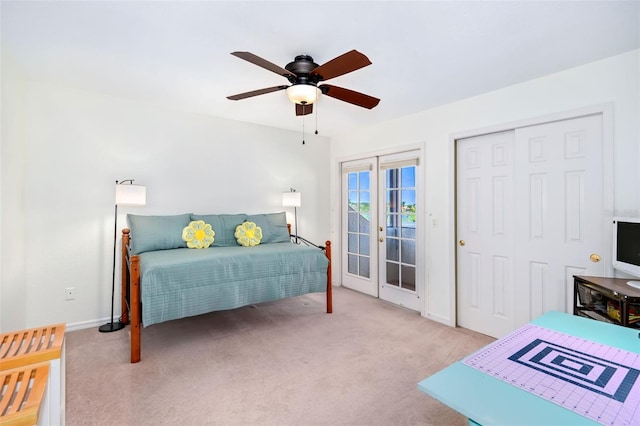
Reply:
x=131, y=195
x=291, y=199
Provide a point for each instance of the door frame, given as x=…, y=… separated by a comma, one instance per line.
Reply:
x=336, y=261
x=606, y=110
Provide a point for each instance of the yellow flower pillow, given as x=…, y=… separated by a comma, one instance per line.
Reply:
x=198, y=234
x=248, y=234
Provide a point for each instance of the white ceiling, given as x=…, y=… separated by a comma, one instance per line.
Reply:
x=424, y=53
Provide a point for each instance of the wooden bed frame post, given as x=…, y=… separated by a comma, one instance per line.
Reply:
x=124, y=318
x=329, y=280
x=131, y=282
x=327, y=252
x=135, y=307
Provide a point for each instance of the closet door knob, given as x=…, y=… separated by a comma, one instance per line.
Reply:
x=461, y=242
x=595, y=258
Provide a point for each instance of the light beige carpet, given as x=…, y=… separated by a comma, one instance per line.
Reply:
x=278, y=363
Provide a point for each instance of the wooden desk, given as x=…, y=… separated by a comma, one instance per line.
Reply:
x=489, y=401
x=594, y=295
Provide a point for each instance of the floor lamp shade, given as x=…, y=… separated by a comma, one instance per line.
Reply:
x=293, y=199
x=127, y=194
x=131, y=195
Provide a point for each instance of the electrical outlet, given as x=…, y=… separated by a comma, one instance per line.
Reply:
x=69, y=293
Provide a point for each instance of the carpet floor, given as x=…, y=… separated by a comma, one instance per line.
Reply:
x=279, y=363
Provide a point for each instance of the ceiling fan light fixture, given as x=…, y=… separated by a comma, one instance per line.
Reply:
x=303, y=94
x=304, y=75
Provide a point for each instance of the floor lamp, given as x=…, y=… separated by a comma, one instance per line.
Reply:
x=127, y=194
x=292, y=199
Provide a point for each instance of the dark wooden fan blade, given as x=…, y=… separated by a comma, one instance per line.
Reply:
x=343, y=64
x=304, y=109
x=257, y=60
x=256, y=93
x=350, y=96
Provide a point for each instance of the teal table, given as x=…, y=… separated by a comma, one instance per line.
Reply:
x=489, y=401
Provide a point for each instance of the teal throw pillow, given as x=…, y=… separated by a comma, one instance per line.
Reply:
x=149, y=233
x=224, y=225
x=274, y=227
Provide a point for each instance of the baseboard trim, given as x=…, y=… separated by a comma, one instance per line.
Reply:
x=441, y=319
x=82, y=325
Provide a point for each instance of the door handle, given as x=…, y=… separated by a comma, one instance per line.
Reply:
x=595, y=258
x=381, y=239
x=461, y=242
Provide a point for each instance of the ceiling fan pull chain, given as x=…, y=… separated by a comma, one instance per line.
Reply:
x=316, y=114
x=303, y=124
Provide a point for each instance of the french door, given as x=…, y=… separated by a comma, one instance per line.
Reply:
x=380, y=228
x=359, y=208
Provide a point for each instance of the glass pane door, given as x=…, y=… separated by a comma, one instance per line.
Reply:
x=398, y=237
x=359, y=219
x=380, y=242
x=359, y=223
x=400, y=218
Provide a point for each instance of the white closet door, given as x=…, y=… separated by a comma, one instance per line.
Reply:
x=560, y=212
x=529, y=216
x=485, y=233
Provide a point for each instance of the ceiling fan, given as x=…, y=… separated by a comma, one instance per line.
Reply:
x=304, y=75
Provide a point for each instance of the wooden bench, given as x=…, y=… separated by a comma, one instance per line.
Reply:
x=23, y=389
x=22, y=349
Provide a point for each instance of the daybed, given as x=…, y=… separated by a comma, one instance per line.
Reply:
x=163, y=280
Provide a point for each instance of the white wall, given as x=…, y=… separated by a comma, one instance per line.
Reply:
x=63, y=149
x=615, y=80
x=12, y=166
x=77, y=144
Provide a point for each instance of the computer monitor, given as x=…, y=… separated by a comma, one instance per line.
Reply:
x=626, y=247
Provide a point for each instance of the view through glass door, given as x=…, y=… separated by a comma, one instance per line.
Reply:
x=398, y=236
x=359, y=221
x=380, y=228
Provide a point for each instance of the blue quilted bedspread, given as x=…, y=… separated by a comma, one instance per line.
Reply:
x=184, y=282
